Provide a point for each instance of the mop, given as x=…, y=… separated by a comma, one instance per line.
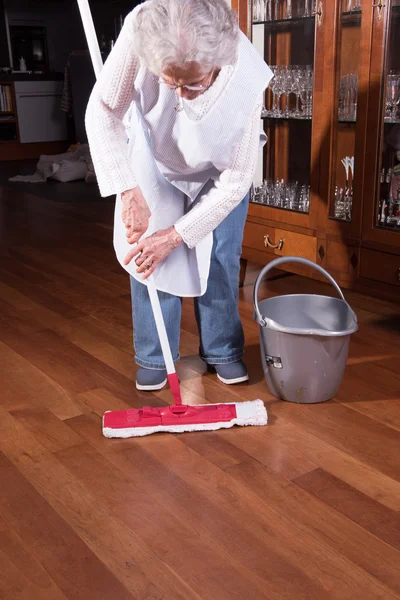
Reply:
x=178, y=417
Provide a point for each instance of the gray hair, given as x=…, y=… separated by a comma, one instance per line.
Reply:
x=177, y=32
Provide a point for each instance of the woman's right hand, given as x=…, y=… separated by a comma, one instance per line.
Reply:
x=135, y=214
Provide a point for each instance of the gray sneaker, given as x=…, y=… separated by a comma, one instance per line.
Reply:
x=150, y=380
x=231, y=373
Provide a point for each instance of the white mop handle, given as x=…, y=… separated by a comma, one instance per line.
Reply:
x=91, y=36
x=97, y=61
x=162, y=332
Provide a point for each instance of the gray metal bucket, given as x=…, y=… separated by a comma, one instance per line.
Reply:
x=304, y=340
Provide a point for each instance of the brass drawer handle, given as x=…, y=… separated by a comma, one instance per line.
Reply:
x=319, y=14
x=269, y=244
x=380, y=6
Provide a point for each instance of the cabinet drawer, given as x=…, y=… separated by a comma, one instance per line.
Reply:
x=380, y=266
x=260, y=237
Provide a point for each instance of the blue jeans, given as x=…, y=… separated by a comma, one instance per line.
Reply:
x=217, y=313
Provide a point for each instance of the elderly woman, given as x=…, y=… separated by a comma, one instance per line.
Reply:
x=193, y=86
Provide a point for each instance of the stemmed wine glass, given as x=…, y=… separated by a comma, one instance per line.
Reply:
x=277, y=88
x=305, y=85
x=392, y=95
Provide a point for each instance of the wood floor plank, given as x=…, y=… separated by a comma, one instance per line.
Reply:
x=52, y=432
x=91, y=343
x=101, y=547
x=64, y=556
x=223, y=491
x=377, y=396
x=86, y=291
x=101, y=400
x=179, y=547
x=386, y=412
x=378, y=561
x=238, y=449
x=37, y=314
x=72, y=368
x=23, y=270
x=26, y=384
x=107, y=333
x=339, y=463
x=38, y=262
x=120, y=321
x=39, y=295
x=272, y=572
x=366, y=512
x=15, y=298
x=105, y=268
x=21, y=574
x=87, y=298
x=216, y=449
x=20, y=319
x=217, y=496
x=13, y=584
x=375, y=444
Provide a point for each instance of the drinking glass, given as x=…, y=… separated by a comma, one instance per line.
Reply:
x=392, y=95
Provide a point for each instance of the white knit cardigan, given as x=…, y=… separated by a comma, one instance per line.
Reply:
x=109, y=103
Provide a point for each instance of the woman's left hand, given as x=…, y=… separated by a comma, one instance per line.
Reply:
x=153, y=249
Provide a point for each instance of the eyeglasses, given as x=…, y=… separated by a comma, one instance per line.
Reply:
x=189, y=88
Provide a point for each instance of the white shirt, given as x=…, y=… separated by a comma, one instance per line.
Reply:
x=111, y=98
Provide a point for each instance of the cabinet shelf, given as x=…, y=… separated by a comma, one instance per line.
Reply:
x=339, y=220
x=391, y=121
x=351, y=13
x=281, y=22
x=282, y=118
x=281, y=208
x=395, y=228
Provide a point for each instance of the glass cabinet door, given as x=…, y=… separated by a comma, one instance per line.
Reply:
x=387, y=201
x=344, y=136
x=284, y=33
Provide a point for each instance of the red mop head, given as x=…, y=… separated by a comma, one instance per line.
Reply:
x=178, y=419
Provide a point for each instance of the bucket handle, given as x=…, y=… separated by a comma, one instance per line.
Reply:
x=286, y=259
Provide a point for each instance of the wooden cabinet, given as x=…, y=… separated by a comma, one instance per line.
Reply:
x=328, y=178
x=279, y=242
x=380, y=266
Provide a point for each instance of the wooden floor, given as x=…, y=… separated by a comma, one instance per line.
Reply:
x=305, y=508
